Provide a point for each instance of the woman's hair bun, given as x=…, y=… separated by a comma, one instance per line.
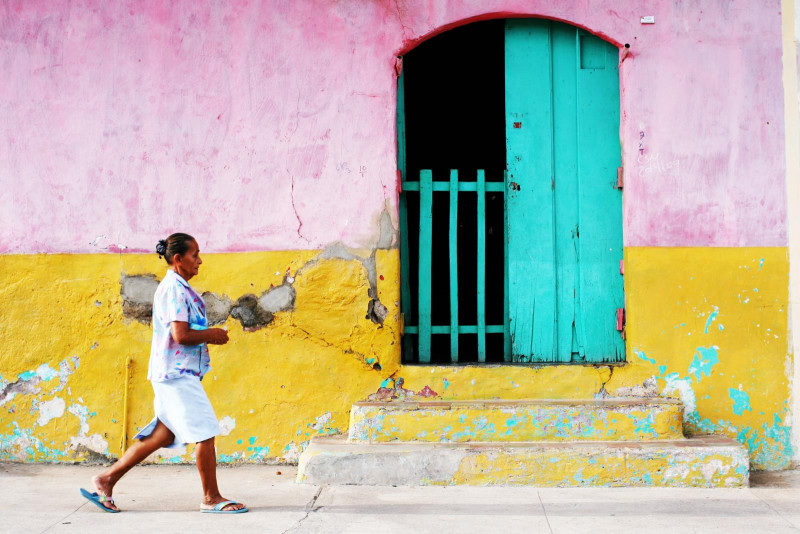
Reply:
x=161, y=248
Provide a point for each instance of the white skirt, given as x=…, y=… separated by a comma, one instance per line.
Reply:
x=183, y=406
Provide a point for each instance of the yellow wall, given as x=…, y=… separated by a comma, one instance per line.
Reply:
x=64, y=336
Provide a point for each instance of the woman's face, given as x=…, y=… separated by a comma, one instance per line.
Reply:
x=188, y=265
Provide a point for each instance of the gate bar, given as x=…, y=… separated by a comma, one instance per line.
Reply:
x=481, y=190
x=425, y=254
x=453, y=265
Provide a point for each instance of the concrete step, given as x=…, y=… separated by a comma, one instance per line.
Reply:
x=708, y=461
x=639, y=419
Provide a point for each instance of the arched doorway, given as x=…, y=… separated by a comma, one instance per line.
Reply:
x=511, y=222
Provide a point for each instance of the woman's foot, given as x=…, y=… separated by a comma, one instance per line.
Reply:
x=211, y=502
x=103, y=486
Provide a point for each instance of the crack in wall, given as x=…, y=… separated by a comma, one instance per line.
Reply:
x=403, y=26
x=299, y=220
x=360, y=356
x=602, y=393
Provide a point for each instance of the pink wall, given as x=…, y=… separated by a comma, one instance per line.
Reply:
x=270, y=125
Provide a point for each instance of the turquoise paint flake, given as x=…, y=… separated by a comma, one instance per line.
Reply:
x=643, y=356
x=259, y=453
x=230, y=458
x=721, y=328
x=741, y=401
x=446, y=383
x=481, y=423
x=711, y=318
x=760, y=263
x=704, y=361
x=252, y=440
x=27, y=375
x=515, y=420
x=645, y=425
x=385, y=383
x=238, y=442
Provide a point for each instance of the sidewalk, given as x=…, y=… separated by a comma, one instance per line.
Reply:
x=39, y=498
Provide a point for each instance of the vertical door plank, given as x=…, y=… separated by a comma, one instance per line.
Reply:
x=601, y=285
x=566, y=186
x=425, y=250
x=453, y=236
x=481, y=270
x=530, y=232
x=405, y=270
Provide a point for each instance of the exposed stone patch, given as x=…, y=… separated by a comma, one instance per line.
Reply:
x=250, y=314
x=388, y=233
x=137, y=293
x=92, y=457
x=376, y=311
x=649, y=388
x=20, y=387
x=217, y=308
x=398, y=392
x=278, y=299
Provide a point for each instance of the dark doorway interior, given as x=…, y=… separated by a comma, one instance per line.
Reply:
x=455, y=119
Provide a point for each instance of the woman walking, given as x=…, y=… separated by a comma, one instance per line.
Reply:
x=178, y=361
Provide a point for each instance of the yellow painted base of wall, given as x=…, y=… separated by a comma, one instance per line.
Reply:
x=516, y=421
x=709, y=324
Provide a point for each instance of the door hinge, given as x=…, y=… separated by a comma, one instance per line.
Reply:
x=620, y=319
x=619, y=178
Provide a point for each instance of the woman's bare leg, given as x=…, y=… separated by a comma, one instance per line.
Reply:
x=207, y=465
x=104, y=482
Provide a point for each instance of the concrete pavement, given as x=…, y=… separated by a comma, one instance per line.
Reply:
x=44, y=498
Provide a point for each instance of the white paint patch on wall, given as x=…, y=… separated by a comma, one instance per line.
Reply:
x=51, y=409
x=683, y=387
x=167, y=454
x=226, y=425
x=94, y=443
x=82, y=413
x=322, y=421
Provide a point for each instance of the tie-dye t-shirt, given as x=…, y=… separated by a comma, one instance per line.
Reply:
x=175, y=300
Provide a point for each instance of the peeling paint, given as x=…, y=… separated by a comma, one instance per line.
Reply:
x=741, y=401
x=226, y=425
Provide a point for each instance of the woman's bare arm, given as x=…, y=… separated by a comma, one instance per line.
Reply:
x=184, y=335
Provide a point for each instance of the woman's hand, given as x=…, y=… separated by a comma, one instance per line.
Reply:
x=217, y=336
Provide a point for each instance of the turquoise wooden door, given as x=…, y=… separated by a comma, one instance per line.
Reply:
x=564, y=213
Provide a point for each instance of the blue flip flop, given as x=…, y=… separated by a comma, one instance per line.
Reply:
x=218, y=509
x=98, y=501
